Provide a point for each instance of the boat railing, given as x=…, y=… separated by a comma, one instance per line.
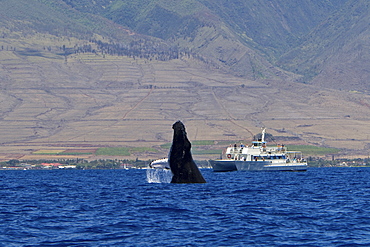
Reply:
x=263, y=149
x=295, y=157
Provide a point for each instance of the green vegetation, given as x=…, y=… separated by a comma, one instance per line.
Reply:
x=202, y=143
x=118, y=164
x=308, y=150
x=76, y=153
x=320, y=162
x=143, y=149
x=79, y=163
x=193, y=143
x=113, y=151
x=205, y=152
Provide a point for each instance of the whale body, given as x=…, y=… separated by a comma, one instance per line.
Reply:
x=181, y=162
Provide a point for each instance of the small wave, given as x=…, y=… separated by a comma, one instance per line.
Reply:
x=244, y=191
x=163, y=209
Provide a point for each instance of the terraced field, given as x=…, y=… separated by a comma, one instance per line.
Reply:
x=87, y=101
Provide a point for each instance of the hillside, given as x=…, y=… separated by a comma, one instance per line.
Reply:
x=76, y=76
x=273, y=27
x=55, y=18
x=238, y=37
x=335, y=54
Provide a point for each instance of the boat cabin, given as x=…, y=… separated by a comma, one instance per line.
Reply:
x=259, y=151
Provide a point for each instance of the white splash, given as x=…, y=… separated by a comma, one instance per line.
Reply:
x=158, y=175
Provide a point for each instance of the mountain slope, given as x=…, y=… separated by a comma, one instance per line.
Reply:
x=335, y=54
x=273, y=26
x=235, y=36
x=54, y=17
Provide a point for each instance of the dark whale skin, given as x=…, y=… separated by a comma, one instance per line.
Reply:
x=181, y=162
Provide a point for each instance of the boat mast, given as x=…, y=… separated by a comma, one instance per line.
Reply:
x=263, y=134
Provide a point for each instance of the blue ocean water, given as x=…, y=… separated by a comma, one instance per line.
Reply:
x=319, y=207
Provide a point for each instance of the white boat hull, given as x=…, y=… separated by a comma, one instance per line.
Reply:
x=268, y=166
x=233, y=165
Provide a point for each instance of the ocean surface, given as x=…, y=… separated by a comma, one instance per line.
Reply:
x=319, y=207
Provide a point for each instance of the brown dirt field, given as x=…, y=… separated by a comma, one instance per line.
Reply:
x=89, y=101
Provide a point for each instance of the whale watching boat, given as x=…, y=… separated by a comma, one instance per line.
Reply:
x=259, y=157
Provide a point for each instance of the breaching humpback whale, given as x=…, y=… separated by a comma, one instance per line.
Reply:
x=181, y=162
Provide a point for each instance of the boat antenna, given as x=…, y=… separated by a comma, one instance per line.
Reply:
x=263, y=134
